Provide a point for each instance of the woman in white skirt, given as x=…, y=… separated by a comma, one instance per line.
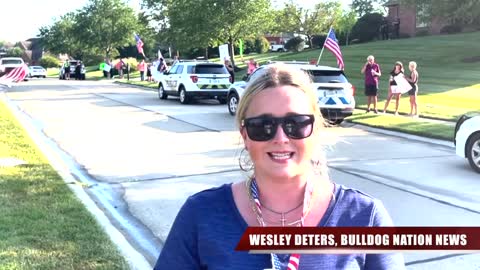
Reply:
x=394, y=90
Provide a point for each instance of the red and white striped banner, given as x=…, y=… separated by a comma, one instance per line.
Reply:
x=15, y=75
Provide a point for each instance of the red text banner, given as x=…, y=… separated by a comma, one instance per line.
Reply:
x=359, y=239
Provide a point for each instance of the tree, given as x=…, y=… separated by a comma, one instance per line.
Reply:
x=344, y=25
x=300, y=20
x=104, y=25
x=60, y=37
x=362, y=7
x=454, y=12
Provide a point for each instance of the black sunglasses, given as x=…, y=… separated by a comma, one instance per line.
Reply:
x=264, y=128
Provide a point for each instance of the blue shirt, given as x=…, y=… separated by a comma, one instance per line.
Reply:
x=208, y=227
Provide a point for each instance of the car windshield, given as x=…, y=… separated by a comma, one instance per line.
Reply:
x=328, y=76
x=210, y=69
x=11, y=61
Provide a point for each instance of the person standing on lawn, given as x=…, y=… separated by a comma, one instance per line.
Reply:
x=413, y=80
x=372, y=74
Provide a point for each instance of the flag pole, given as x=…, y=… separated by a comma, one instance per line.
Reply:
x=321, y=52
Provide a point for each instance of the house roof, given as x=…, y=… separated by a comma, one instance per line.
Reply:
x=392, y=3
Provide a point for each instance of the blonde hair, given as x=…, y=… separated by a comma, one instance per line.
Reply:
x=370, y=57
x=412, y=64
x=276, y=75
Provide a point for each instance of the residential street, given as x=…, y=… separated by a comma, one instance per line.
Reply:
x=140, y=157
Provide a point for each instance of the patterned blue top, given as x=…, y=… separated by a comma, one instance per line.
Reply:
x=208, y=227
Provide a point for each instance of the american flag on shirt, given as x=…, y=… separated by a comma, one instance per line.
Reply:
x=139, y=44
x=15, y=75
x=331, y=43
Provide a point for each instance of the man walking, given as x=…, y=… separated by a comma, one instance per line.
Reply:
x=372, y=73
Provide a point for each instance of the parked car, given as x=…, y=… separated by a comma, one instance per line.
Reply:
x=467, y=139
x=37, y=71
x=9, y=63
x=277, y=48
x=73, y=64
x=336, y=96
x=195, y=80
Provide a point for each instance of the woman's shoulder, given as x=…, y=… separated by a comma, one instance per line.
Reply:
x=209, y=197
x=357, y=208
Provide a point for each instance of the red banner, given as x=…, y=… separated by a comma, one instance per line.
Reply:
x=359, y=239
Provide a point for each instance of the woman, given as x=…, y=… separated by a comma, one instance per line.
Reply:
x=413, y=80
x=229, y=66
x=149, y=72
x=280, y=124
x=372, y=74
x=393, y=90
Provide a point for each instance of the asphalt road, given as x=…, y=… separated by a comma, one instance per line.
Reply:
x=141, y=157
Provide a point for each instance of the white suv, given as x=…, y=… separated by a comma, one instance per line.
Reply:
x=467, y=139
x=335, y=94
x=195, y=80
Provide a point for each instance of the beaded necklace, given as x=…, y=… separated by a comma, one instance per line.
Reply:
x=252, y=189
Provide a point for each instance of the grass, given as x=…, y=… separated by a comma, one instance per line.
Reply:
x=436, y=130
x=42, y=224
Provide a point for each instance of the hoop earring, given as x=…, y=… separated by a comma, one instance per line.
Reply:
x=244, y=161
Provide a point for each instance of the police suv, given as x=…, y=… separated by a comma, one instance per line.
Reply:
x=467, y=139
x=191, y=80
x=336, y=96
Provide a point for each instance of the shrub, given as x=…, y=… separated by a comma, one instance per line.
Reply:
x=318, y=40
x=261, y=45
x=451, y=29
x=49, y=61
x=367, y=27
x=422, y=33
x=295, y=44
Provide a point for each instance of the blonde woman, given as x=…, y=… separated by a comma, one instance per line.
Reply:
x=413, y=80
x=281, y=126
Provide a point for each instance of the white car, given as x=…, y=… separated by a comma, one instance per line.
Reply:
x=336, y=96
x=195, y=80
x=9, y=63
x=37, y=71
x=467, y=139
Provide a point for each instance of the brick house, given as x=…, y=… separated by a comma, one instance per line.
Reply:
x=406, y=19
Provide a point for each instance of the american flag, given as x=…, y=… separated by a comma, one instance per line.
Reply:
x=15, y=75
x=139, y=44
x=331, y=43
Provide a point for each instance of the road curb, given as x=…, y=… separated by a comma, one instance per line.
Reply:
x=134, y=259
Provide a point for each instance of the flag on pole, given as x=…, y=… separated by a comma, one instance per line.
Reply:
x=139, y=44
x=15, y=75
x=159, y=54
x=331, y=43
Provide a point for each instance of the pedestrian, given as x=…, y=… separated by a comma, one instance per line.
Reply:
x=102, y=68
x=393, y=90
x=162, y=66
x=281, y=128
x=66, y=69
x=149, y=72
x=120, y=66
x=109, y=68
x=229, y=66
x=372, y=74
x=141, y=68
x=78, y=70
x=251, y=66
x=413, y=80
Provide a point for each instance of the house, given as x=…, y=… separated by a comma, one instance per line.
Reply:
x=405, y=20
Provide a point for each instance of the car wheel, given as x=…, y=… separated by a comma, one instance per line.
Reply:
x=44, y=76
x=161, y=92
x=473, y=151
x=334, y=122
x=183, y=96
x=232, y=103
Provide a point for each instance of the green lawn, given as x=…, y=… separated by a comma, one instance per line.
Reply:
x=449, y=86
x=42, y=224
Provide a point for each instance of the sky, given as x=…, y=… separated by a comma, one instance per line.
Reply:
x=36, y=13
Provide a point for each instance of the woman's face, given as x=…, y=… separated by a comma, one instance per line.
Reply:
x=280, y=157
x=410, y=67
x=398, y=68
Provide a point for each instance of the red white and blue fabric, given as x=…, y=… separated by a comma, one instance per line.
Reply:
x=139, y=44
x=15, y=75
x=331, y=43
x=294, y=259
